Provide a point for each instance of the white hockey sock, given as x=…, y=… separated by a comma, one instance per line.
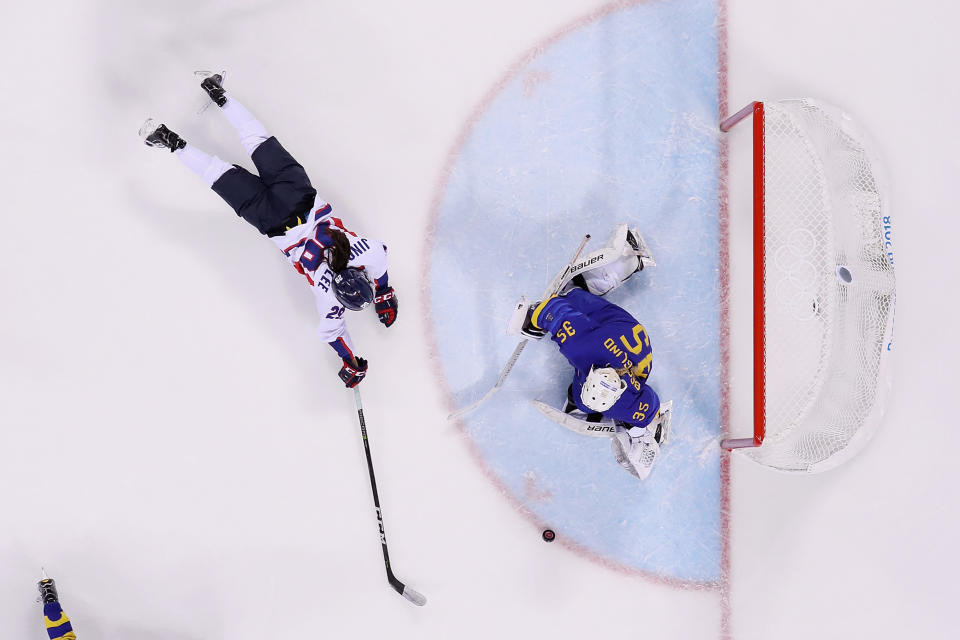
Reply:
x=208, y=167
x=252, y=132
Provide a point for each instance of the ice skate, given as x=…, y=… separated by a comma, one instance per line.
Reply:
x=213, y=84
x=155, y=135
x=48, y=590
x=205, y=104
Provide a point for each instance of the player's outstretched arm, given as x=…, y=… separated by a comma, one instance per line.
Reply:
x=352, y=372
x=354, y=367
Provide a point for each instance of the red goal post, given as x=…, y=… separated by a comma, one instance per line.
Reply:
x=755, y=108
x=823, y=286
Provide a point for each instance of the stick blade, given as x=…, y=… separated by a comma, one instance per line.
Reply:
x=473, y=405
x=415, y=597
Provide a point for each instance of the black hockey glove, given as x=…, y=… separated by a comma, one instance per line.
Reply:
x=385, y=303
x=351, y=375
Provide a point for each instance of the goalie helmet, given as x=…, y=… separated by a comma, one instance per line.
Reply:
x=602, y=388
x=352, y=289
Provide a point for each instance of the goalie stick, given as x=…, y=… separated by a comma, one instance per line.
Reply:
x=413, y=596
x=558, y=281
x=602, y=429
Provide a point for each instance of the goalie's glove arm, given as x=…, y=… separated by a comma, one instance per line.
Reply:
x=550, y=315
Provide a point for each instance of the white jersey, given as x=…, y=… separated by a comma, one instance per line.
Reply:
x=303, y=245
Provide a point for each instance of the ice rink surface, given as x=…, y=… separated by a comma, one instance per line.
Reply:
x=175, y=447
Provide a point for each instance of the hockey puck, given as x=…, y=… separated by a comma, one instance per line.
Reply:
x=549, y=535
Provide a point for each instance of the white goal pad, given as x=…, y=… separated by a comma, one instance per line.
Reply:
x=823, y=287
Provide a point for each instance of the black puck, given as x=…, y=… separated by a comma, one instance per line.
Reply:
x=549, y=535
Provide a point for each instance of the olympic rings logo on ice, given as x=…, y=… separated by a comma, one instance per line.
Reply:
x=795, y=276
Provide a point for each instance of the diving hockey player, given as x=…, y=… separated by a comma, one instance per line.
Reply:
x=281, y=203
x=609, y=350
x=56, y=621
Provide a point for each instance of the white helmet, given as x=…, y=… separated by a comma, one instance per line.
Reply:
x=602, y=388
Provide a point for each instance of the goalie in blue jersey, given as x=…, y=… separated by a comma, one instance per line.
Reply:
x=609, y=350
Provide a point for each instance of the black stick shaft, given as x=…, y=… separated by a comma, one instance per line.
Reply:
x=373, y=486
x=400, y=588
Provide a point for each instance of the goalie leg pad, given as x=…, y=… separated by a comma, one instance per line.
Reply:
x=630, y=242
x=639, y=248
x=602, y=271
x=618, y=238
x=602, y=281
x=660, y=427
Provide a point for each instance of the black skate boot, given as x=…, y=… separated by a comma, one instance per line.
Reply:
x=155, y=135
x=213, y=85
x=48, y=590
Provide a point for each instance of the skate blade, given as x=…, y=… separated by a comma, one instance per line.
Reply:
x=146, y=129
x=206, y=74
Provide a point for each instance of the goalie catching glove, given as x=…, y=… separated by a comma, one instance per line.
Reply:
x=385, y=303
x=352, y=374
x=637, y=448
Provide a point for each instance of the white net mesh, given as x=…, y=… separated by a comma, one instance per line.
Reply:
x=829, y=288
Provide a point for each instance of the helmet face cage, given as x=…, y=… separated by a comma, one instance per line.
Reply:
x=352, y=289
x=602, y=388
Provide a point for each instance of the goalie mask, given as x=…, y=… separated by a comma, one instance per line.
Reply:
x=602, y=388
x=352, y=289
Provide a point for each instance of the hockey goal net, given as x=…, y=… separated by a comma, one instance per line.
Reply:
x=823, y=289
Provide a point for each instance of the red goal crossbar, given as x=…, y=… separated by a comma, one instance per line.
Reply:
x=759, y=381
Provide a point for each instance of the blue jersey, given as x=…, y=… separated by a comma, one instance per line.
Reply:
x=592, y=332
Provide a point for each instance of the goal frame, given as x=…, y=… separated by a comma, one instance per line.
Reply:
x=755, y=109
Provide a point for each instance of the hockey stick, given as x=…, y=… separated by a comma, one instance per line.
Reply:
x=554, y=286
x=413, y=596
